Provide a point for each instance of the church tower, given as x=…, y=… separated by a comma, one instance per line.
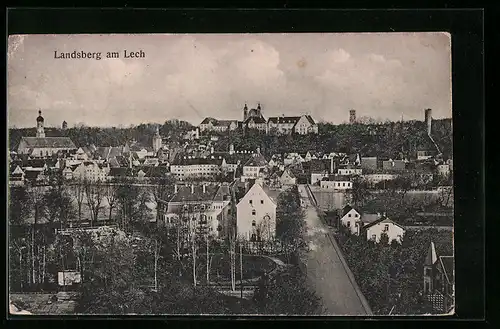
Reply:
x=157, y=140
x=245, y=112
x=40, y=132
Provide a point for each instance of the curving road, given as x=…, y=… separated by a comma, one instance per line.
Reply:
x=325, y=271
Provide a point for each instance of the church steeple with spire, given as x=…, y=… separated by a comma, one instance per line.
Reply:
x=40, y=132
x=157, y=140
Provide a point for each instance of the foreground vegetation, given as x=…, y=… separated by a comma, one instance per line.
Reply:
x=390, y=275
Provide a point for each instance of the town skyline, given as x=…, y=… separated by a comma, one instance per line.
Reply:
x=385, y=76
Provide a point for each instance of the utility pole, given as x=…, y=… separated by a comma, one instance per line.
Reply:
x=156, y=264
x=241, y=270
x=208, y=260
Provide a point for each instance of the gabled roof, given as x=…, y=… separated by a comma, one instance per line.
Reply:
x=207, y=120
x=346, y=209
x=258, y=160
x=48, y=142
x=310, y=119
x=256, y=120
x=283, y=120
x=431, y=257
x=382, y=219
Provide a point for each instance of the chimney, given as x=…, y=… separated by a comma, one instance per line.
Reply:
x=204, y=188
x=175, y=188
x=231, y=149
x=352, y=116
x=428, y=120
x=332, y=166
x=212, y=149
x=192, y=188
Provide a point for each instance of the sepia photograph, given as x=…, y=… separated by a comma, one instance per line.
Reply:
x=279, y=174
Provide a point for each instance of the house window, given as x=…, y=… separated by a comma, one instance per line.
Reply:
x=349, y=215
x=349, y=224
x=250, y=201
x=374, y=237
x=253, y=223
x=386, y=228
x=253, y=212
x=356, y=215
x=261, y=201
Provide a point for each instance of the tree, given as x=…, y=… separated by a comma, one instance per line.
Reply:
x=287, y=294
x=291, y=226
x=110, y=193
x=94, y=192
x=78, y=188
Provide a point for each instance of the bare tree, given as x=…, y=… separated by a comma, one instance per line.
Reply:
x=111, y=198
x=79, y=193
x=94, y=192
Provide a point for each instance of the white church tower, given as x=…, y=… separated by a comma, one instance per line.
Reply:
x=157, y=140
x=40, y=132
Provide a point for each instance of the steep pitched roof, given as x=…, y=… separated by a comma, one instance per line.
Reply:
x=431, y=257
x=283, y=120
x=208, y=120
x=48, y=142
x=382, y=219
x=310, y=119
x=258, y=160
x=256, y=120
x=346, y=209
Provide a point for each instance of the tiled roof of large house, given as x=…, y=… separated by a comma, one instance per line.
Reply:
x=337, y=178
x=183, y=160
x=310, y=119
x=381, y=220
x=208, y=120
x=237, y=158
x=187, y=193
x=109, y=152
x=48, y=142
x=283, y=120
x=258, y=160
x=256, y=120
x=346, y=209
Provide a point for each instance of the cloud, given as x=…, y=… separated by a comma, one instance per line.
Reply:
x=192, y=76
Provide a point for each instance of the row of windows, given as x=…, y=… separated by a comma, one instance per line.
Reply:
x=337, y=184
x=251, y=201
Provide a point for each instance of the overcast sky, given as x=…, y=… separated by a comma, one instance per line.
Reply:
x=189, y=77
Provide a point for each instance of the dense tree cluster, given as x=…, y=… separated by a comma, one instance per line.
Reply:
x=107, y=136
x=391, y=275
x=390, y=139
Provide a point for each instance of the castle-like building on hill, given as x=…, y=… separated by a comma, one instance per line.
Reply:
x=42, y=146
x=253, y=119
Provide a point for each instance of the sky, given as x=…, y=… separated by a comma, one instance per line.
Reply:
x=193, y=76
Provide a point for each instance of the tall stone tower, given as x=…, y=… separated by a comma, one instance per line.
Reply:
x=352, y=116
x=157, y=140
x=245, y=112
x=428, y=120
x=40, y=132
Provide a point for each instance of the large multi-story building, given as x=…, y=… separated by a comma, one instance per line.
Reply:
x=301, y=125
x=205, y=206
x=187, y=166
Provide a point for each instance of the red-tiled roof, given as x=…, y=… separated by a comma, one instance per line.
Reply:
x=257, y=160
